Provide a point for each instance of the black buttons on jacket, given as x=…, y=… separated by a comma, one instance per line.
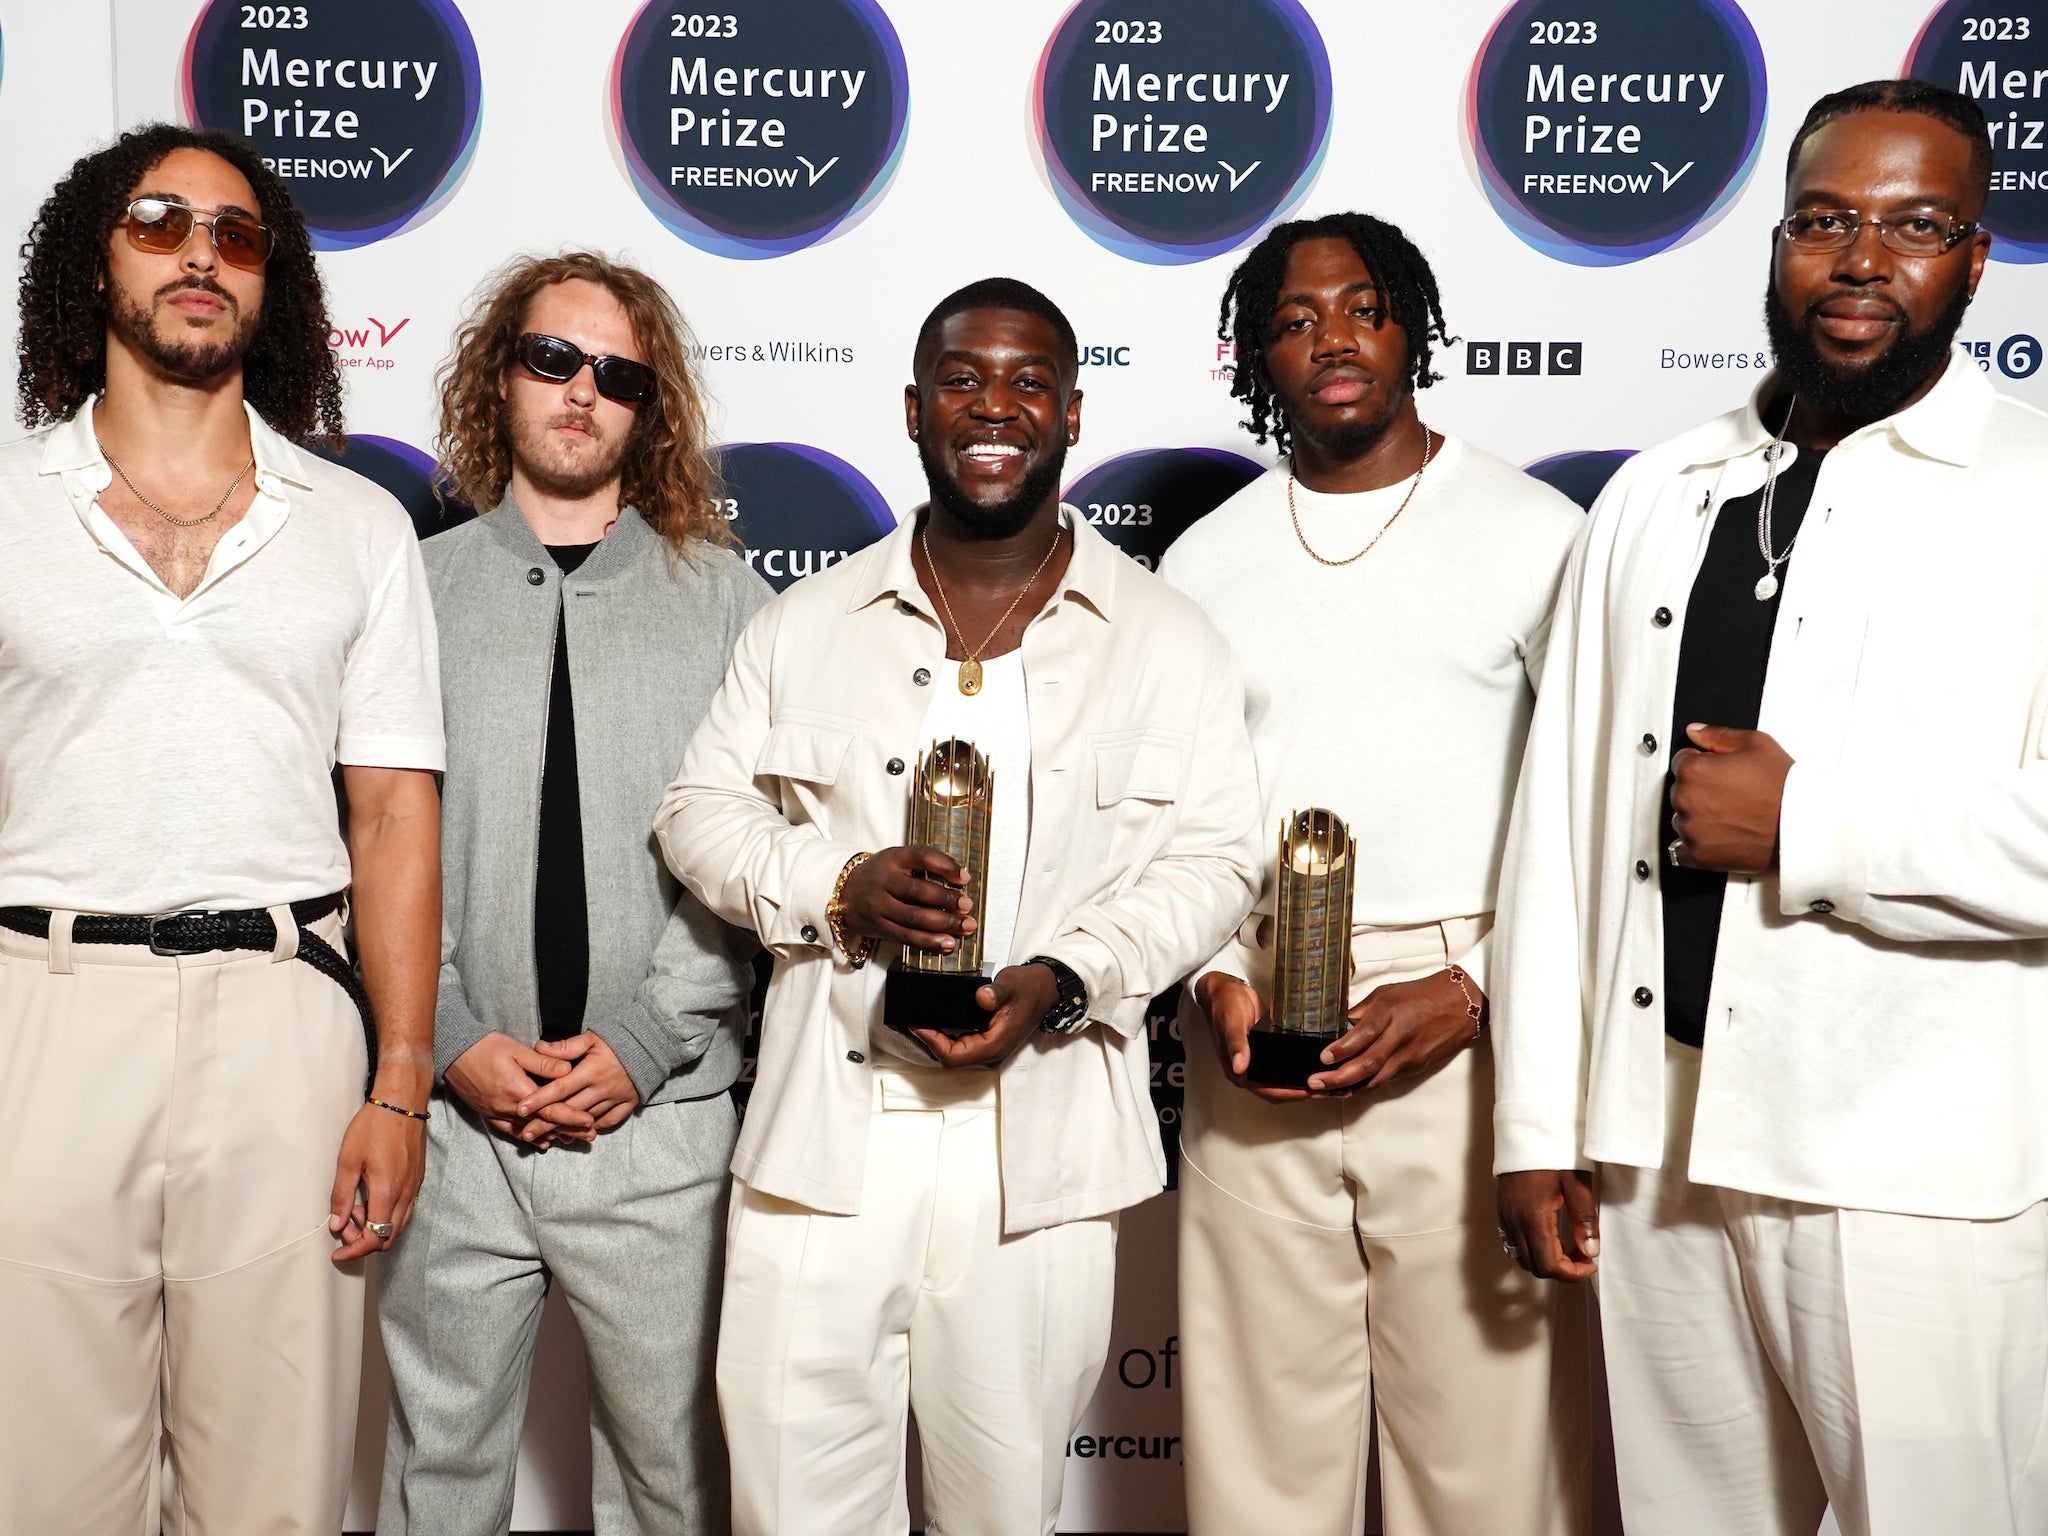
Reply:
x=810, y=934
x=536, y=577
x=855, y=1057
x=1644, y=997
x=1661, y=618
x=1642, y=869
x=1823, y=906
x=1649, y=745
x=904, y=603
x=895, y=765
x=921, y=676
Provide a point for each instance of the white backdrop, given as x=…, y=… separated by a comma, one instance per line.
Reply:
x=1595, y=318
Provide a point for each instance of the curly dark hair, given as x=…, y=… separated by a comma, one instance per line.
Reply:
x=288, y=374
x=1406, y=284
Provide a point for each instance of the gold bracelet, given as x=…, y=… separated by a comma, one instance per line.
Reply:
x=410, y=1114
x=1473, y=1008
x=857, y=951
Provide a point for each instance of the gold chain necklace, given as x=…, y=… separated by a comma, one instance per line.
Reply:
x=1428, y=449
x=175, y=522
x=970, y=669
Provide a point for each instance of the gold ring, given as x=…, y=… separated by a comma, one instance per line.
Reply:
x=378, y=1229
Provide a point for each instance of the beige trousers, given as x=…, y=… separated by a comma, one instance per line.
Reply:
x=835, y=1326
x=1337, y=1254
x=164, y=1182
x=1766, y=1357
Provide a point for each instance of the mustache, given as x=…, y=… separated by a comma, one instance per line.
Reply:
x=200, y=285
x=581, y=419
x=1892, y=307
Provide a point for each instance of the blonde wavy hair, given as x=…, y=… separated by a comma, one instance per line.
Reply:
x=668, y=472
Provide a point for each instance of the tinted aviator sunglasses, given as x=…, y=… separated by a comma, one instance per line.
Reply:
x=559, y=361
x=162, y=227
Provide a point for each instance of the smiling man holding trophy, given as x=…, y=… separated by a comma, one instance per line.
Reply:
x=979, y=823
x=1387, y=590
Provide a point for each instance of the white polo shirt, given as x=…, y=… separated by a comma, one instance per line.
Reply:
x=159, y=752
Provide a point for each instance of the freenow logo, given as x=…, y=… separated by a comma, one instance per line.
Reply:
x=798, y=509
x=757, y=133
x=367, y=344
x=1581, y=476
x=2002, y=61
x=1604, y=131
x=1170, y=141
x=368, y=109
x=407, y=474
x=1141, y=502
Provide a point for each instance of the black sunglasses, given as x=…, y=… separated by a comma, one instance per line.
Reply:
x=559, y=361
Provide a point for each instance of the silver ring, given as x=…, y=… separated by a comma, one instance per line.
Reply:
x=378, y=1228
x=1671, y=850
x=1507, y=1244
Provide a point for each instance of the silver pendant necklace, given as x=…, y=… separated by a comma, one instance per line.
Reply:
x=1767, y=586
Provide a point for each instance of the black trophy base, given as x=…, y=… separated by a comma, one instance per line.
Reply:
x=938, y=1000
x=1282, y=1060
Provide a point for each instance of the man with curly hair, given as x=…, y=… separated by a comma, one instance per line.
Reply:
x=198, y=622
x=1337, y=1248
x=588, y=1026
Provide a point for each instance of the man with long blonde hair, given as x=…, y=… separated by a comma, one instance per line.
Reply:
x=590, y=1011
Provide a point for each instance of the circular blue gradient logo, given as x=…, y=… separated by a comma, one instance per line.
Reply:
x=1581, y=476
x=368, y=109
x=2001, y=61
x=798, y=509
x=1141, y=502
x=1604, y=131
x=407, y=474
x=1172, y=140
x=759, y=131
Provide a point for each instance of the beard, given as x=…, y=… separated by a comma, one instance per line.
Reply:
x=190, y=362
x=561, y=472
x=1007, y=517
x=1352, y=441
x=1874, y=389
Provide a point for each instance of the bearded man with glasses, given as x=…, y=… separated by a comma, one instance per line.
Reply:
x=198, y=622
x=591, y=1011
x=1772, y=960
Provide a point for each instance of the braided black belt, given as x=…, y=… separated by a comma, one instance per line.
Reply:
x=202, y=933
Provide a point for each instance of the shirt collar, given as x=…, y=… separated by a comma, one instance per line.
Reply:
x=622, y=544
x=72, y=445
x=1091, y=577
x=1946, y=423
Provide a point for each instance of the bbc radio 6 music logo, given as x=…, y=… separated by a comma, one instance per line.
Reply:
x=1604, y=131
x=1526, y=358
x=756, y=130
x=368, y=109
x=1997, y=53
x=1170, y=134
x=798, y=509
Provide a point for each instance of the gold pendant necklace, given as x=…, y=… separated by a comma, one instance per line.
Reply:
x=970, y=668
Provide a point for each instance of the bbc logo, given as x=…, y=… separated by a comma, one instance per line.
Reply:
x=1524, y=357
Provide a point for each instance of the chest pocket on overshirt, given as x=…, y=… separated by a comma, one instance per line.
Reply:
x=806, y=756
x=1138, y=777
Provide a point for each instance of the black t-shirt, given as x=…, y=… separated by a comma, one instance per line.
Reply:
x=561, y=915
x=1723, y=658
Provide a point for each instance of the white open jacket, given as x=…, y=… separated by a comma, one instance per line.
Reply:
x=1877, y=1032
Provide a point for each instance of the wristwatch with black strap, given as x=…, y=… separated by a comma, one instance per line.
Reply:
x=1070, y=1010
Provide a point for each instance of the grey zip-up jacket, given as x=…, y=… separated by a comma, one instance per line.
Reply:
x=649, y=640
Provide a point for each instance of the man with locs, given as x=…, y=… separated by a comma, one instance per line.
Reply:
x=924, y=1223
x=588, y=1004
x=1774, y=947
x=1387, y=590
x=198, y=621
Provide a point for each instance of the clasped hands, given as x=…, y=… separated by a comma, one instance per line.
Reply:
x=912, y=897
x=555, y=1091
x=1727, y=790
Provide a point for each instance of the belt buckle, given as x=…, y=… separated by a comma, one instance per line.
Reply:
x=166, y=940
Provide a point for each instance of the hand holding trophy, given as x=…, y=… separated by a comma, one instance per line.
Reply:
x=1313, y=889
x=952, y=796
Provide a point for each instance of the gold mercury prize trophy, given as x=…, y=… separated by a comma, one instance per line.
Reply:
x=951, y=798
x=1311, y=950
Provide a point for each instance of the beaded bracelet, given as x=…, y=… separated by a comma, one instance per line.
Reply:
x=1473, y=1008
x=410, y=1114
x=857, y=951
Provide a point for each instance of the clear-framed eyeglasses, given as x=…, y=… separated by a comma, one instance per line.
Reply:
x=1907, y=234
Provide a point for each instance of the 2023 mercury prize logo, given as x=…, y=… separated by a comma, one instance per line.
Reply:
x=752, y=132
x=1604, y=131
x=1171, y=134
x=1141, y=502
x=368, y=109
x=798, y=509
x=1997, y=53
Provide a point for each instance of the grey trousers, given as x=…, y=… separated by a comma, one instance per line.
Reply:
x=632, y=1228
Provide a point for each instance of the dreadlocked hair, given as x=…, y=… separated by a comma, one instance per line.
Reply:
x=1407, y=288
x=669, y=474
x=288, y=374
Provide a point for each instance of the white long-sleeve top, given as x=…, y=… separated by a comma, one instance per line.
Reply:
x=1877, y=1032
x=1394, y=690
